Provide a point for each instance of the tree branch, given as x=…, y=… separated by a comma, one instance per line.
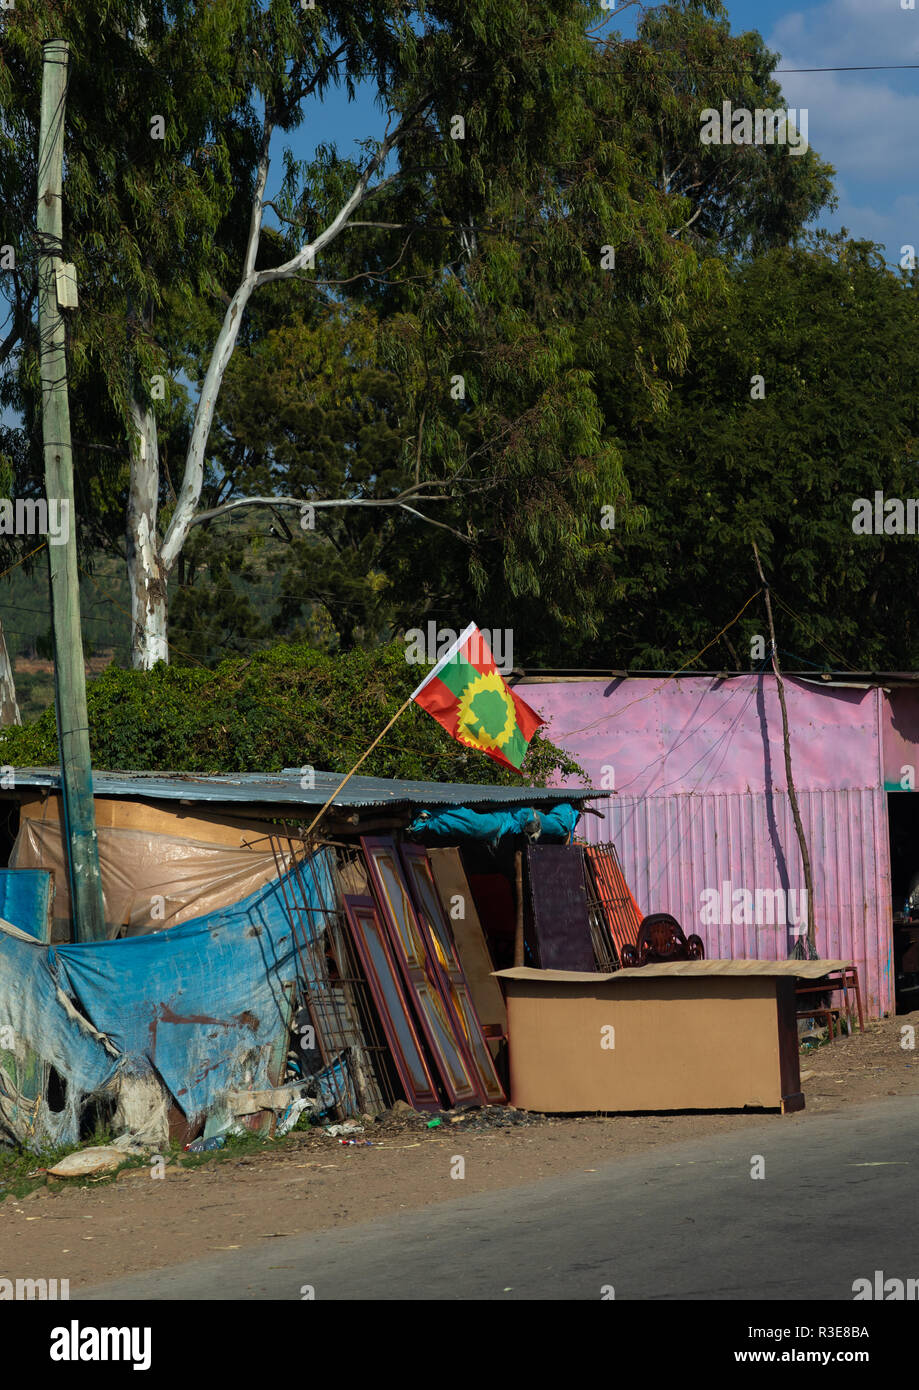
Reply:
x=402, y=502
x=697, y=213
x=190, y=494
x=184, y=515
x=359, y=194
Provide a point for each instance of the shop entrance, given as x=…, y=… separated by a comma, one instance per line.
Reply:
x=903, y=820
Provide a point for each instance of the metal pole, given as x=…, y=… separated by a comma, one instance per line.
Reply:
x=69, y=675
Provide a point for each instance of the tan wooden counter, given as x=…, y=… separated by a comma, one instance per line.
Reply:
x=691, y=1035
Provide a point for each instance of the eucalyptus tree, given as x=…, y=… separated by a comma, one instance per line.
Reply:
x=172, y=110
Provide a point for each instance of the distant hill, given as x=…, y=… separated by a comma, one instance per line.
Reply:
x=25, y=611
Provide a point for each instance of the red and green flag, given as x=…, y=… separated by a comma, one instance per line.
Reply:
x=469, y=698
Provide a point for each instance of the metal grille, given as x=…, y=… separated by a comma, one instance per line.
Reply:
x=614, y=914
x=334, y=993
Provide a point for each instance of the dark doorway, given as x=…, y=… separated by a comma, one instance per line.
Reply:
x=9, y=829
x=903, y=819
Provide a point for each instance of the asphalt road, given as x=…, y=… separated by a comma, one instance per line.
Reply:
x=837, y=1201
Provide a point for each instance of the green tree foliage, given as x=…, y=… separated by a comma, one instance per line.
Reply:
x=307, y=409
x=556, y=314
x=536, y=143
x=521, y=342
x=835, y=335
x=142, y=213
x=288, y=706
x=738, y=199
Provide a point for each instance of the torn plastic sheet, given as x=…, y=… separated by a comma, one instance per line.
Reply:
x=200, y=1008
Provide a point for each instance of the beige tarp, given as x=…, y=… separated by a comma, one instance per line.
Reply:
x=149, y=881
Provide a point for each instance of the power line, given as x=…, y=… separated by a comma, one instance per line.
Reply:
x=856, y=67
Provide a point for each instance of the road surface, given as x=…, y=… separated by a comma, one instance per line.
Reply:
x=836, y=1202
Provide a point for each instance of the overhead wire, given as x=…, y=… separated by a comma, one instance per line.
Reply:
x=671, y=677
x=798, y=619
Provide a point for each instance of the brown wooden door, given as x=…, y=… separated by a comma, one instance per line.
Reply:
x=416, y=956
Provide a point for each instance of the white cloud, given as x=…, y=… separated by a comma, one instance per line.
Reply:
x=893, y=225
x=845, y=32
x=864, y=123
x=863, y=127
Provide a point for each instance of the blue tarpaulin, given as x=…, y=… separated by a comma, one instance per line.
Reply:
x=557, y=823
x=203, y=1006
x=25, y=900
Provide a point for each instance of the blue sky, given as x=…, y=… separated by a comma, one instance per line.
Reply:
x=865, y=123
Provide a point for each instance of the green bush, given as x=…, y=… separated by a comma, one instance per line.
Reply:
x=289, y=706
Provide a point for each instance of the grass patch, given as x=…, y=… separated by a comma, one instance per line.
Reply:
x=21, y=1171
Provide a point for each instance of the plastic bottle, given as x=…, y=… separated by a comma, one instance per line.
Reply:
x=202, y=1145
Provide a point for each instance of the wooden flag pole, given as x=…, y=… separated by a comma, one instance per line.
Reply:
x=447, y=656
x=344, y=782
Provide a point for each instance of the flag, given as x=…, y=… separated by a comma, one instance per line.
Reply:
x=467, y=695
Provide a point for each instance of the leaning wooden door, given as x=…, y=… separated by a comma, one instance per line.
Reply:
x=382, y=975
x=453, y=980
x=416, y=957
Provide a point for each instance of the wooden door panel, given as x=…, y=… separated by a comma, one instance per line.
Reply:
x=382, y=976
x=453, y=983
x=418, y=960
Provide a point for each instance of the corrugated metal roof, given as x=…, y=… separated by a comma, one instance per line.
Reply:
x=284, y=789
x=534, y=675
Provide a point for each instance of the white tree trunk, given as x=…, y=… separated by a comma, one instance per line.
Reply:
x=9, y=709
x=146, y=574
x=150, y=560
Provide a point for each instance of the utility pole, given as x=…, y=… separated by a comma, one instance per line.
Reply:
x=79, y=826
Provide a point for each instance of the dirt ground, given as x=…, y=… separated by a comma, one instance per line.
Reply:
x=91, y=1231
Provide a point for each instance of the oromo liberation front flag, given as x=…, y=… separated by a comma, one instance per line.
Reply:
x=468, y=697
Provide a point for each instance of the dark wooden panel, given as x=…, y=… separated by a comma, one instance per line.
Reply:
x=789, y=1056
x=558, y=907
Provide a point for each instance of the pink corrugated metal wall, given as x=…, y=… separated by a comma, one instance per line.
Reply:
x=699, y=768
x=674, y=848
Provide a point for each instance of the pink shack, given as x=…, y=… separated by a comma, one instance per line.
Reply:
x=698, y=806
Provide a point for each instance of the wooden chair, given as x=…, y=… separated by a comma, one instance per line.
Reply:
x=661, y=939
x=835, y=981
